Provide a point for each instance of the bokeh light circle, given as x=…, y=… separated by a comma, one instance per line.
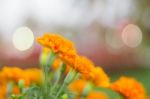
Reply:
x=23, y=38
x=132, y=35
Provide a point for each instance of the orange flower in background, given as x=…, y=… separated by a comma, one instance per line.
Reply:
x=78, y=85
x=56, y=64
x=16, y=90
x=129, y=88
x=15, y=74
x=97, y=95
x=100, y=78
x=3, y=90
x=9, y=74
x=33, y=75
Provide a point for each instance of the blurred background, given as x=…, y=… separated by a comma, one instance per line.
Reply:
x=115, y=34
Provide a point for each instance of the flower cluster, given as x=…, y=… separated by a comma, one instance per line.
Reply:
x=14, y=74
x=129, y=87
x=65, y=74
x=65, y=50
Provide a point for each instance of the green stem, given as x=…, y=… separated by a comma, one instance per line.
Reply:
x=58, y=74
x=70, y=76
x=88, y=87
x=77, y=76
x=60, y=90
x=46, y=68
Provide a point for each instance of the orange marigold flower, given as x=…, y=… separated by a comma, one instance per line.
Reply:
x=8, y=74
x=84, y=66
x=3, y=90
x=78, y=85
x=89, y=72
x=100, y=77
x=56, y=43
x=46, y=50
x=69, y=58
x=16, y=90
x=97, y=95
x=64, y=48
x=33, y=75
x=129, y=88
x=56, y=64
x=15, y=74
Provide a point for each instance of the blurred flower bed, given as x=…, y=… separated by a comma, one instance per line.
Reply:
x=64, y=74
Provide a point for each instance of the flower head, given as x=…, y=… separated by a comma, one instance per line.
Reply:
x=84, y=66
x=3, y=90
x=100, y=78
x=15, y=74
x=56, y=64
x=64, y=48
x=78, y=85
x=129, y=88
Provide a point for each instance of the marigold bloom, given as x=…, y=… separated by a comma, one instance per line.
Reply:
x=8, y=74
x=100, y=77
x=58, y=44
x=33, y=75
x=16, y=90
x=97, y=95
x=89, y=72
x=84, y=66
x=3, y=90
x=55, y=42
x=129, y=88
x=78, y=86
x=15, y=74
x=46, y=50
x=56, y=64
